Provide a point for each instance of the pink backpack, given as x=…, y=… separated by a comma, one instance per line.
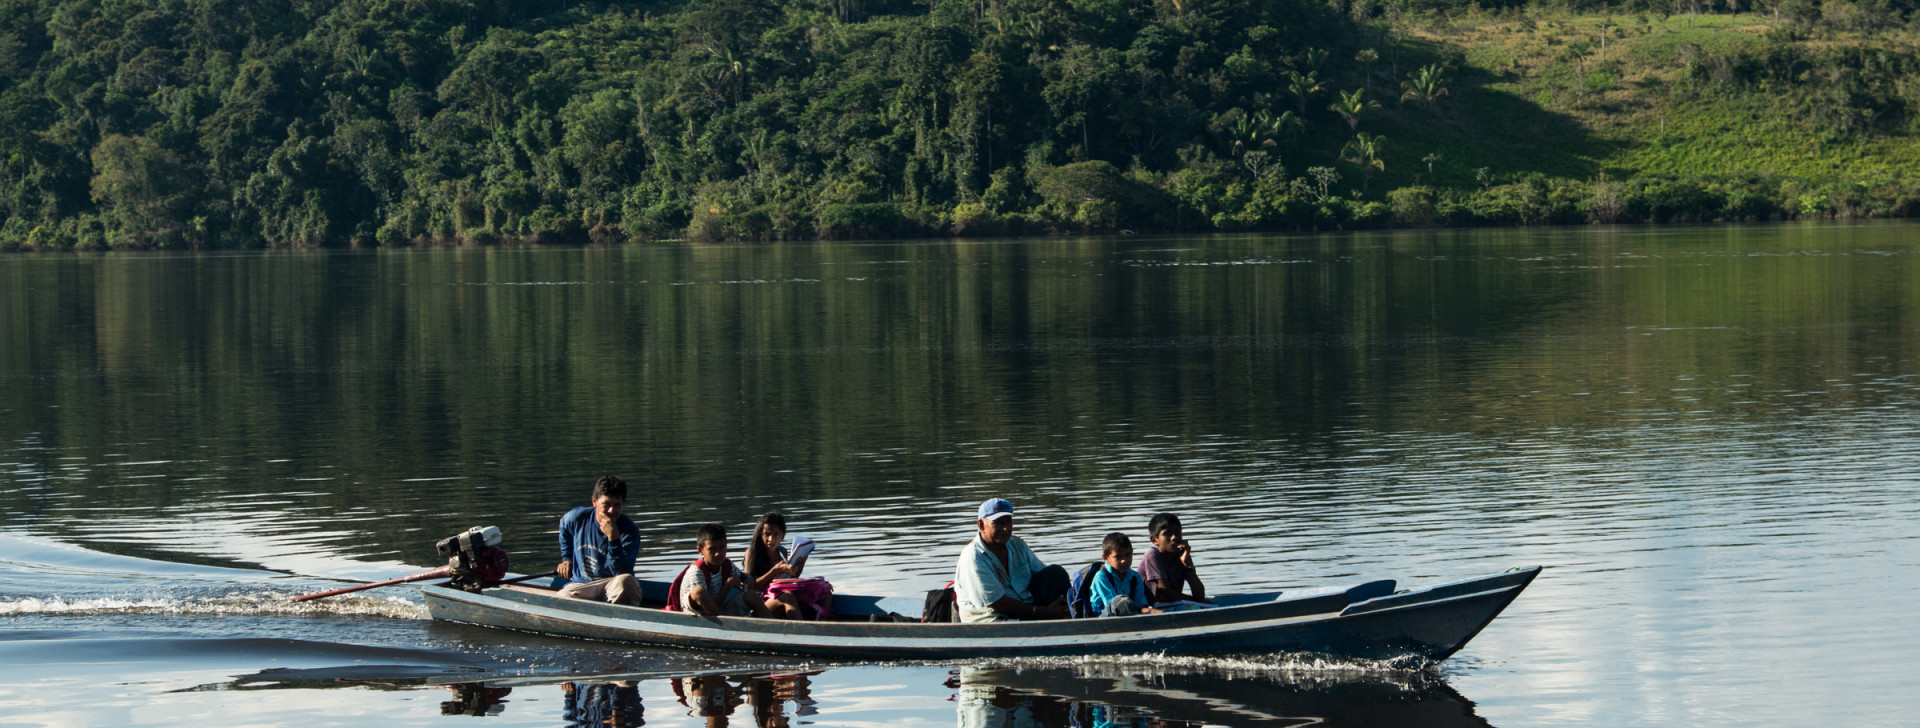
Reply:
x=811, y=593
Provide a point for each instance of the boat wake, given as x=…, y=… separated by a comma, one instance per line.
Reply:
x=1287, y=666
x=40, y=576
x=273, y=604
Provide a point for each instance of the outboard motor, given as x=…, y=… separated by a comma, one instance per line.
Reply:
x=474, y=558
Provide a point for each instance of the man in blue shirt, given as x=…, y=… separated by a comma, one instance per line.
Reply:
x=598, y=546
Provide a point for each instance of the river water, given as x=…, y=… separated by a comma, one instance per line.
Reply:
x=1708, y=435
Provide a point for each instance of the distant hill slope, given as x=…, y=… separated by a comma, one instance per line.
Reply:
x=1728, y=95
x=243, y=123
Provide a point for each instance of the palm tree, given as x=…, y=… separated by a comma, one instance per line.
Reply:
x=1351, y=105
x=1430, y=159
x=1315, y=57
x=1254, y=131
x=1368, y=57
x=1426, y=85
x=1290, y=124
x=1305, y=87
x=1364, y=152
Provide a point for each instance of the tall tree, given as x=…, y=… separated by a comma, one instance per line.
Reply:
x=1351, y=105
x=1304, y=86
x=142, y=190
x=1425, y=85
x=1365, y=151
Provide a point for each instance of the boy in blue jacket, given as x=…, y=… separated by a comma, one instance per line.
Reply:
x=1117, y=591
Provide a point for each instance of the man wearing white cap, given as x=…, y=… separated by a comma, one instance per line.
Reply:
x=999, y=578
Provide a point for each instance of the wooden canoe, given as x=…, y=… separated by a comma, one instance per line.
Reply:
x=1368, y=621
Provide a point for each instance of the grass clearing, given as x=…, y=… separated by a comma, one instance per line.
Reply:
x=1637, y=104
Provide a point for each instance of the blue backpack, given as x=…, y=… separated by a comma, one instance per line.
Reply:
x=1080, y=592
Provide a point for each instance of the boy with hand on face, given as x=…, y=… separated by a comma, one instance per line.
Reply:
x=1116, y=591
x=713, y=585
x=598, y=546
x=1168, y=566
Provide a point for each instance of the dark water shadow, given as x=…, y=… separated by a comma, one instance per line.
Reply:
x=1113, y=696
x=1075, y=696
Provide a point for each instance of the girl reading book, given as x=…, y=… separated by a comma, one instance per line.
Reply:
x=775, y=572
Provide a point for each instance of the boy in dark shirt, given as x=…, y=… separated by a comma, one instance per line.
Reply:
x=598, y=546
x=1168, y=566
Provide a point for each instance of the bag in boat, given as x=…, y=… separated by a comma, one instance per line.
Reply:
x=810, y=593
x=942, y=605
x=673, y=589
x=1080, y=592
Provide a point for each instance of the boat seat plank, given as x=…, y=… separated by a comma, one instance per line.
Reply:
x=1234, y=600
x=1370, y=590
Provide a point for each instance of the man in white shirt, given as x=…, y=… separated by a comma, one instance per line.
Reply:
x=998, y=578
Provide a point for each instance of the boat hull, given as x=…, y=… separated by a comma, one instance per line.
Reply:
x=1429, y=624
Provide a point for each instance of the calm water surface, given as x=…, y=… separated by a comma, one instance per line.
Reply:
x=1709, y=434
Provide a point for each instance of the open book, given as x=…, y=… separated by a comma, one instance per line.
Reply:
x=802, y=546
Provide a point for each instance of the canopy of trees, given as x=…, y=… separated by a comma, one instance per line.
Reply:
x=231, y=123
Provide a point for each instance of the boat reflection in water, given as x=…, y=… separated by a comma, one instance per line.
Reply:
x=1087, y=696
x=1022, y=694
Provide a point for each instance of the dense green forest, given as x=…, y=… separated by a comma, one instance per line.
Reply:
x=230, y=123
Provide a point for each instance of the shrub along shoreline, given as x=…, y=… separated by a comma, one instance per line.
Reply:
x=1261, y=207
x=187, y=124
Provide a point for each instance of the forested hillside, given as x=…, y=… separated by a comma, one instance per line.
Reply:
x=247, y=123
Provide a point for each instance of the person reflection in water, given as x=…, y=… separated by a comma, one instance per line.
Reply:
x=998, y=578
x=985, y=702
x=769, y=696
x=598, y=546
x=982, y=703
x=708, y=696
x=475, y=699
x=614, y=705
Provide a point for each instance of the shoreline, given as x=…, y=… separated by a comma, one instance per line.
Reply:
x=1147, y=234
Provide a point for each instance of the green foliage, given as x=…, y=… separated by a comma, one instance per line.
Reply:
x=1095, y=196
x=1415, y=205
x=1367, y=152
x=141, y=189
x=1351, y=105
x=1425, y=86
x=218, y=123
x=871, y=220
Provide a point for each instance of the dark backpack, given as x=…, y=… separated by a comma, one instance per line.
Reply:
x=941, y=606
x=1080, y=592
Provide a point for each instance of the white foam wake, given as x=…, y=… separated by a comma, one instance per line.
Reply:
x=1285, y=666
x=231, y=605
